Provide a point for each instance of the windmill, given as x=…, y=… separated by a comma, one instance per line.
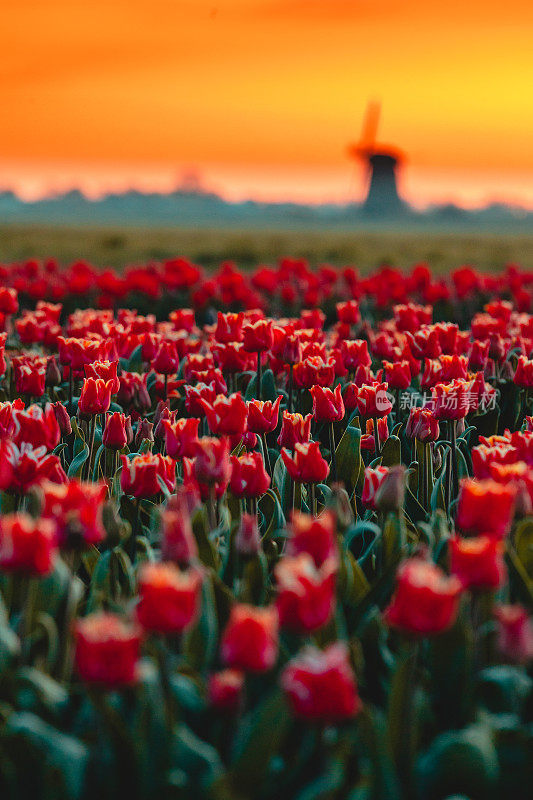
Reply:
x=381, y=163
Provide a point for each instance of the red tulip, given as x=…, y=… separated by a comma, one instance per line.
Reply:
x=515, y=633
x=29, y=375
x=212, y=463
x=106, y=370
x=314, y=371
x=27, y=546
x=374, y=478
x=348, y=312
x=477, y=562
x=225, y=690
x=485, y=507
x=305, y=594
x=7, y=421
x=426, y=601
x=62, y=418
x=177, y=538
x=295, y=429
x=263, y=415
x=141, y=475
x=250, y=639
x=424, y=343
x=27, y=466
x=8, y=300
x=247, y=537
x=117, y=431
x=479, y=353
x=229, y=327
x=524, y=373
x=313, y=535
x=397, y=374
x=95, y=396
x=166, y=361
x=450, y=401
x=181, y=437
x=233, y=358
x=320, y=684
x=410, y=316
x=248, y=476
x=36, y=427
x=422, y=425
x=76, y=353
x=107, y=650
x=169, y=598
x=75, y=508
x=258, y=336
x=292, y=350
x=355, y=354
x=374, y=401
x=328, y=406
x=367, y=439
x=306, y=465
x=227, y=416
x=195, y=395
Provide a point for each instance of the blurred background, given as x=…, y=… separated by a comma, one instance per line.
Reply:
x=348, y=131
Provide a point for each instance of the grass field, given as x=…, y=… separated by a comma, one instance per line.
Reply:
x=116, y=246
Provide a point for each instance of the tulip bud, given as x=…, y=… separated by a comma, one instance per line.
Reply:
x=52, y=374
x=247, y=538
x=178, y=543
x=225, y=690
x=391, y=491
x=515, y=633
x=292, y=350
x=63, y=419
x=115, y=436
x=144, y=432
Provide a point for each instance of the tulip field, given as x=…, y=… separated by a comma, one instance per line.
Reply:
x=265, y=534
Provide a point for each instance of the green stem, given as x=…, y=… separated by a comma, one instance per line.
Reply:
x=258, y=383
x=377, y=442
x=290, y=389
x=332, y=449
x=266, y=455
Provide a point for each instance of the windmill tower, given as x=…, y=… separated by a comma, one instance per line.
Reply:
x=381, y=163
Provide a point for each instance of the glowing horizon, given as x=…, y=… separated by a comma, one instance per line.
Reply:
x=262, y=97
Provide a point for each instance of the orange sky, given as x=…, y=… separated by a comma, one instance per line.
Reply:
x=262, y=96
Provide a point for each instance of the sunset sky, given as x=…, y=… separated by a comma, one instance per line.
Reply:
x=262, y=97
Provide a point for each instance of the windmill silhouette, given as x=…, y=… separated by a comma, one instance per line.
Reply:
x=381, y=163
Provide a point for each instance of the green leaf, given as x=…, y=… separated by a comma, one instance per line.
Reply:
x=391, y=452
x=350, y=467
x=260, y=737
x=198, y=759
x=76, y=465
x=270, y=507
x=200, y=642
x=9, y=647
x=54, y=755
x=206, y=550
x=461, y=763
x=39, y=692
x=523, y=542
x=353, y=584
x=268, y=387
x=96, y=465
x=394, y=537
